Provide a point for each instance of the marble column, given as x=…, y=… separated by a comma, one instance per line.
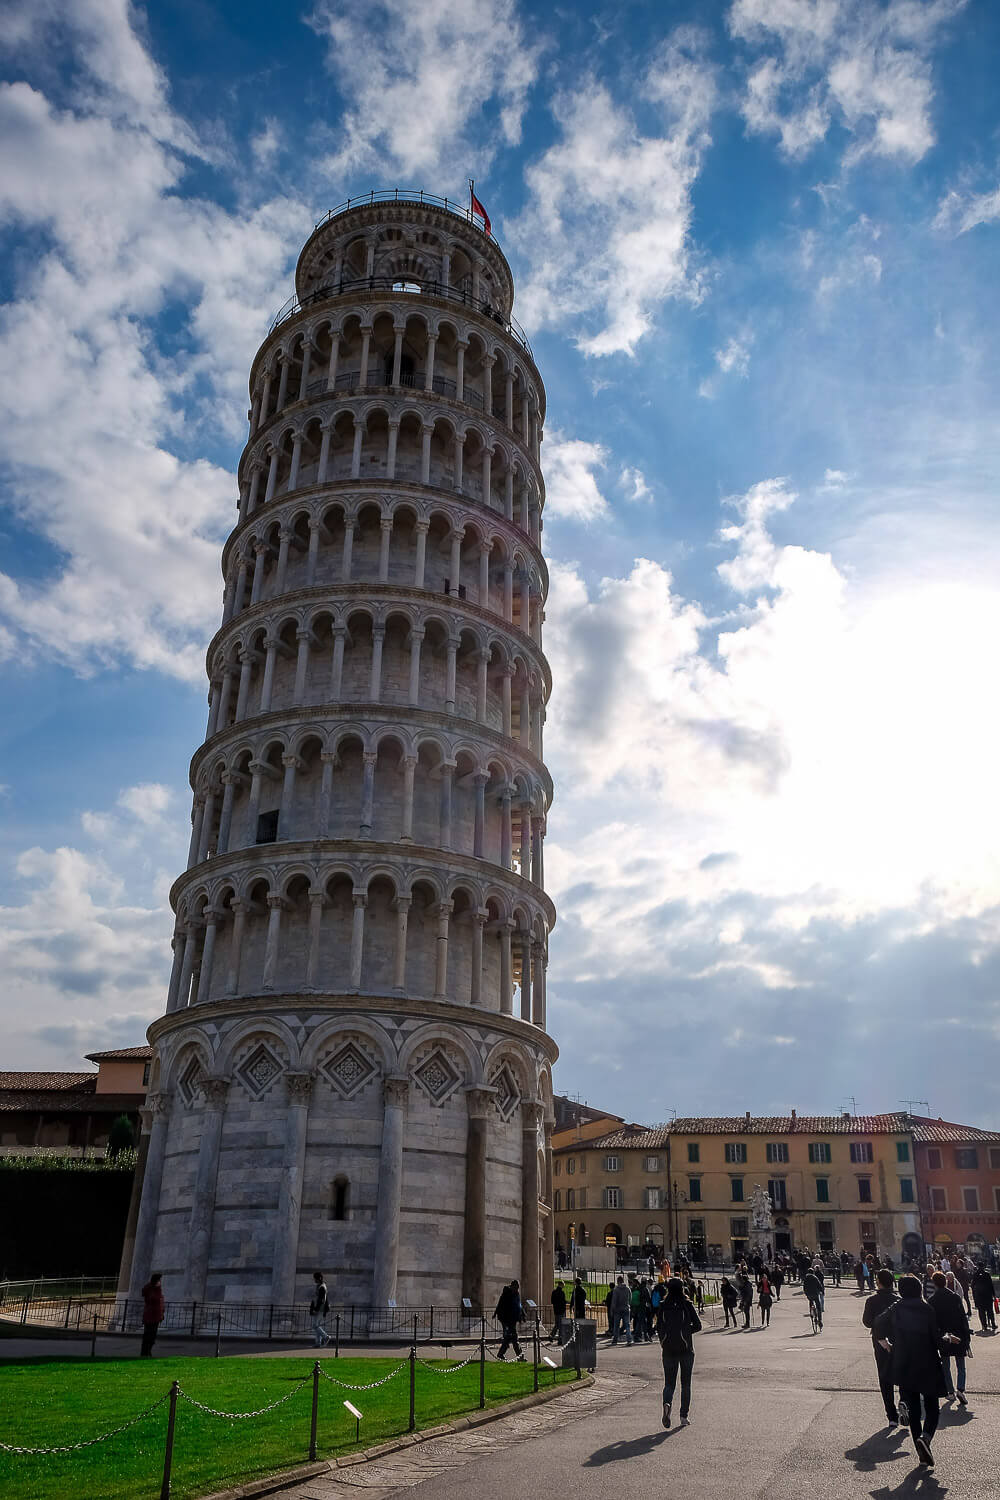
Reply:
x=239, y=910
x=477, y=1101
x=135, y=1199
x=506, y=971
x=286, y=1223
x=531, y=1113
x=402, y=920
x=272, y=946
x=203, y=1207
x=390, y=1191
x=441, y=951
x=149, y=1206
x=358, y=938
x=317, y=901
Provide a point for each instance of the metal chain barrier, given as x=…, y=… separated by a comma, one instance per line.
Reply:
x=372, y=1384
x=239, y=1416
x=451, y=1368
x=89, y=1442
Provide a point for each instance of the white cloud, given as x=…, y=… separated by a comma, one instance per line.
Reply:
x=636, y=487
x=834, y=479
x=136, y=526
x=959, y=212
x=732, y=359
x=856, y=63
x=606, y=232
x=417, y=81
x=571, y=489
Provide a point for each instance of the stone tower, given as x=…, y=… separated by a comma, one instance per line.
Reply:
x=353, y=1071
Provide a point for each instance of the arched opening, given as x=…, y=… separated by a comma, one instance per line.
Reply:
x=612, y=1234
x=340, y=1198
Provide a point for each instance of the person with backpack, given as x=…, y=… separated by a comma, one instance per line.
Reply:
x=744, y=1286
x=619, y=1307
x=153, y=1312
x=676, y=1324
x=508, y=1312
x=730, y=1297
x=878, y=1303
x=558, y=1300
x=909, y=1330
x=318, y=1309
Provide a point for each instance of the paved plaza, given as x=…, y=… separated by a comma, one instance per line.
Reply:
x=778, y=1413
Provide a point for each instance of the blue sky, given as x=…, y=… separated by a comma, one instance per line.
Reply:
x=755, y=247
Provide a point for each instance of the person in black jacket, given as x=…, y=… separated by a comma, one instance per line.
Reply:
x=508, y=1314
x=910, y=1330
x=558, y=1300
x=730, y=1297
x=982, y=1296
x=875, y=1306
x=956, y=1335
x=579, y=1299
x=676, y=1323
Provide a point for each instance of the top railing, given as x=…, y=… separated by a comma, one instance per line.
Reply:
x=410, y=195
x=357, y=284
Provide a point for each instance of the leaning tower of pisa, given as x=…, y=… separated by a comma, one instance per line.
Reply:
x=353, y=1073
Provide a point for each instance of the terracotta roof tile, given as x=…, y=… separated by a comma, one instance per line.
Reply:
x=932, y=1132
x=123, y=1054
x=75, y=1083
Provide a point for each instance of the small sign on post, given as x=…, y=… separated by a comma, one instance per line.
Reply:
x=357, y=1420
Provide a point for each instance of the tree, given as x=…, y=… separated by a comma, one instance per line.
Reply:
x=122, y=1137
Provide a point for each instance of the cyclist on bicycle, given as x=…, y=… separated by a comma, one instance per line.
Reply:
x=812, y=1286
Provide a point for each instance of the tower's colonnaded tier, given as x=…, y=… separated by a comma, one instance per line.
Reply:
x=353, y=1072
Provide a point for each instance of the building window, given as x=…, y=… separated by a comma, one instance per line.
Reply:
x=966, y=1158
x=736, y=1151
x=556, y=1167
x=267, y=827
x=652, y=1163
x=902, y=1150
x=570, y=1199
x=934, y=1158
x=970, y=1200
x=739, y=1228
x=861, y=1151
x=583, y=1164
x=736, y=1189
x=939, y=1200
x=776, y=1193
x=653, y=1198
x=777, y=1151
x=612, y=1164
x=822, y=1189
x=340, y=1194
x=819, y=1153
x=824, y=1234
x=613, y=1198
x=906, y=1190
x=557, y=1202
x=696, y=1229
x=694, y=1151
x=995, y=1157
x=996, y=1198
x=581, y=1198
x=145, y=1074
x=864, y=1190
x=694, y=1189
x=571, y=1165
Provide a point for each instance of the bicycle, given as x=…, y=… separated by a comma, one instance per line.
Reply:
x=814, y=1316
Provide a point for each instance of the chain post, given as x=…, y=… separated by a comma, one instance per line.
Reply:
x=535, y=1354
x=336, y=1339
x=270, y=1320
x=93, y=1339
x=69, y=1305
x=315, y=1413
x=413, y=1382
x=168, y=1450
x=218, y=1334
x=482, y=1366
x=194, y=1316
x=576, y=1353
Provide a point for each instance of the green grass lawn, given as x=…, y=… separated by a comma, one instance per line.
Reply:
x=47, y=1402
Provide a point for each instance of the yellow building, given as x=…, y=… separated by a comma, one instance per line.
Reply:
x=836, y=1182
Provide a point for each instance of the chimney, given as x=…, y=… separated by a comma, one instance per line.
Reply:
x=845, y=1114
x=748, y=1117
x=794, y=1115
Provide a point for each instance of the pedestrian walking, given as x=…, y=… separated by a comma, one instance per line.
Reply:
x=956, y=1335
x=777, y=1281
x=619, y=1309
x=153, y=1310
x=558, y=1300
x=879, y=1302
x=579, y=1298
x=318, y=1309
x=676, y=1324
x=983, y=1295
x=765, y=1300
x=963, y=1276
x=812, y=1287
x=909, y=1329
x=508, y=1312
x=730, y=1298
x=745, y=1288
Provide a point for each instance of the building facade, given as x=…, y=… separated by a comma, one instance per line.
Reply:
x=354, y=1071
x=958, y=1180
x=71, y=1114
x=836, y=1183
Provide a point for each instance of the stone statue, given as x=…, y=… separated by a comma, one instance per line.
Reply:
x=760, y=1208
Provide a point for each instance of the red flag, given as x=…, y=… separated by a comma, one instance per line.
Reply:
x=477, y=208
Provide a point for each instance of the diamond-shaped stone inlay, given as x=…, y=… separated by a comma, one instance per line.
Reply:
x=437, y=1077
x=189, y=1083
x=259, y=1071
x=507, y=1096
x=349, y=1070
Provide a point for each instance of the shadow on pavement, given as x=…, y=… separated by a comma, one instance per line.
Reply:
x=881, y=1448
x=614, y=1452
x=919, y=1482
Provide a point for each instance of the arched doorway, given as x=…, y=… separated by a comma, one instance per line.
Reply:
x=913, y=1246
x=612, y=1234
x=782, y=1235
